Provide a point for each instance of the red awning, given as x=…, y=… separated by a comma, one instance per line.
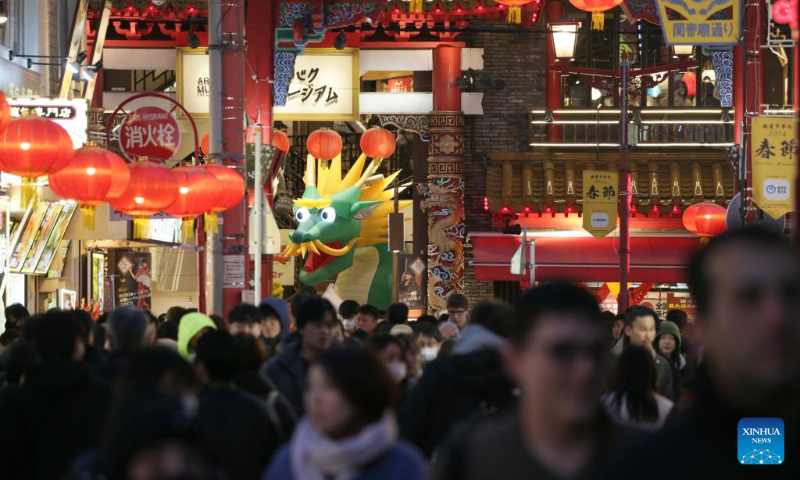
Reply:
x=654, y=259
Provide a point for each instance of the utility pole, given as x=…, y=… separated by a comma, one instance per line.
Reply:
x=624, y=192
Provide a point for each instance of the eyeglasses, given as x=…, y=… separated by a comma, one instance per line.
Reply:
x=566, y=352
x=456, y=312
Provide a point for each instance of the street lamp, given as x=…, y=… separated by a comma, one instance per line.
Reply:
x=3, y=14
x=684, y=51
x=565, y=37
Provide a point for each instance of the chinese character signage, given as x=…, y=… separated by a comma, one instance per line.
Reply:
x=68, y=114
x=774, y=156
x=600, y=202
x=193, y=87
x=700, y=22
x=149, y=132
x=324, y=86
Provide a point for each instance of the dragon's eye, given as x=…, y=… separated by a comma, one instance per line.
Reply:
x=328, y=214
x=302, y=214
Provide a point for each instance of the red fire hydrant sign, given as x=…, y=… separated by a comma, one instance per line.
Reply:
x=150, y=132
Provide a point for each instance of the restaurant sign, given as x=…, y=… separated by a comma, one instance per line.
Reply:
x=700, y=22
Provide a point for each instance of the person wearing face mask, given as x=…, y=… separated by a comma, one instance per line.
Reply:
x=348, y=312
x=429, y=339
x=391, y=352
x=349, y=431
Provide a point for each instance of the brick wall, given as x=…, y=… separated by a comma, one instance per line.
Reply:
x=519, y=60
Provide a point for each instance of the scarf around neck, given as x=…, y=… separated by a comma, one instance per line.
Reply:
x=314, y=455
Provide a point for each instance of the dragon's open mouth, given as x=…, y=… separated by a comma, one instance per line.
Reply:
x=319, y=260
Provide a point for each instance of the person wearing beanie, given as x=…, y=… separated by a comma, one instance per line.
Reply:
x=191, y=328
x=668, y=345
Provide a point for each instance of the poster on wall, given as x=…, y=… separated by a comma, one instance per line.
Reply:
x=409, y=282
x=52, y=244
x=30, y=227
x=193, y=86
x=324, y=86
x=39, y=244
x=132, y=280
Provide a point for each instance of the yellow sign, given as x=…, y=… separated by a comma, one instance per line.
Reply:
x=700, y=22
x=600, y=202
x=774, y=153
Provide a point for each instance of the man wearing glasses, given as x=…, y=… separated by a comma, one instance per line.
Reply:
x=457, y=310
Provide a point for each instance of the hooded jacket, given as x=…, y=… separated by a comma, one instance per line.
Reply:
x=676, y=362
x=190, y=325
x=288, y=372
x=282, y=309
x=54, y=417
x=450, y=391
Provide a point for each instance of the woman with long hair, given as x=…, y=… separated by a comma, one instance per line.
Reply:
x=633, y=399
x=349, y=431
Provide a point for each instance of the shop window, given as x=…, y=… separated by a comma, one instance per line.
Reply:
x=388, y=82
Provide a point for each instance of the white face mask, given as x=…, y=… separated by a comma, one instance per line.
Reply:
x=398, y=371
x=428, y=353
x=350, y=324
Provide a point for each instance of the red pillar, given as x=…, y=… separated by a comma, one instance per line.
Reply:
x=555, y=11
x=234, y=229
x=445, y=201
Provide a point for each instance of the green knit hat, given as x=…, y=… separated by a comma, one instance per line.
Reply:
x=671, y=329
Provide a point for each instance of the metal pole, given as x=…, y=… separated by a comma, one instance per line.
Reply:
x=214, y=241
x=624, y=194
x=259, y=226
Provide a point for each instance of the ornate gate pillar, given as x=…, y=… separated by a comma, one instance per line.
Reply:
x=444, y=200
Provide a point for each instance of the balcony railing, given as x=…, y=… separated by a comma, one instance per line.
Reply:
x=653, y=128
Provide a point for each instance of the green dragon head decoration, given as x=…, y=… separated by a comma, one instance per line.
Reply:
x=337, y=219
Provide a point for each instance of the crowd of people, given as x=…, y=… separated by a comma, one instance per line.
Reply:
x=549, y=388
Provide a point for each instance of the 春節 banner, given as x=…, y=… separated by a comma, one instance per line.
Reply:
x=773, y=150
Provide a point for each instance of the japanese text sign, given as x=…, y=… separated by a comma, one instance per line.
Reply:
x=193, y=81
x=150, y=132
x=324, y=86
x=774, y=155
x=600, y=202
x=68, y=114
x=700, y=22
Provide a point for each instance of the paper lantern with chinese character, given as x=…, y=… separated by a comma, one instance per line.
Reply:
x=199, y=192
x=514, y=9
x=705, y=219
x=32, y=147
x=233, y=188
x=152, y=188
x=5, y=112
x=597, y=7
x=92, y=177
x=378, y=143
x=324, y=144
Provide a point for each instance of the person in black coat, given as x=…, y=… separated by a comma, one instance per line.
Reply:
x=454, y=388
x=231, y=423
x=57, y=413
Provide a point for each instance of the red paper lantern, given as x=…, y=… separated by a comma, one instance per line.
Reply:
x=378, y=143
x=32, y=147
x=705, y=219
x=5, y=112
x=204, y=144
x=233, y=188
x=281, y=141
x=324, y=144
x=152, y=188
x=597, y=7
x=199, y=192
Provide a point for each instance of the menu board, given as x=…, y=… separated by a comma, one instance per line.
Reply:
x=40, y=242
x=57, y=233
x=31, y=221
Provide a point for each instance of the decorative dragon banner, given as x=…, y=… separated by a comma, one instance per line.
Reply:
x=343, y=228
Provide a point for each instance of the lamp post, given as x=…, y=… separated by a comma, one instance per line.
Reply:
x=565, y=38
x=624, y=194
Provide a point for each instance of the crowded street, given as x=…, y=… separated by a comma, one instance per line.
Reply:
x=399, y=240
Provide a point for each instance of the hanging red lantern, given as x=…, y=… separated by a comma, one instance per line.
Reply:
x=152, y=188
x=514, y=14
x=32, y=147
x=204, y=144
x=233, y=188
x=597, y=7
x=199, y=192
x=5, y=112
x=92, y=177
x=280, y=140
x=378, y=143
x=705, y=219
x=324, y=144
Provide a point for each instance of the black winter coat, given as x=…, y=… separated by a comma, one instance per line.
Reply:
x=288, y=372
x=52, y=418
